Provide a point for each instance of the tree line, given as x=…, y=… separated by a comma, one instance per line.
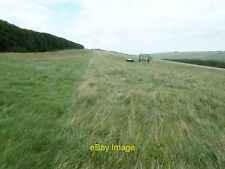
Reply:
x=15, y=39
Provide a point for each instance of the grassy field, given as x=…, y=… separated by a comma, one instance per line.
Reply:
x=53, y=106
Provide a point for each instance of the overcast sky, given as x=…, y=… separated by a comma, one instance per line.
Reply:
x=131, y=26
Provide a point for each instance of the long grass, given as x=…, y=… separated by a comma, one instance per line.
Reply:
x=53, y=106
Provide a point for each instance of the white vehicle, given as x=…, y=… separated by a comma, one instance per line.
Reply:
x=130, y=60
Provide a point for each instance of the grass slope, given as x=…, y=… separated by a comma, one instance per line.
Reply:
x=54, y=105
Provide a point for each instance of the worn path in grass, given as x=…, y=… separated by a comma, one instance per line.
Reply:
x=55, y=105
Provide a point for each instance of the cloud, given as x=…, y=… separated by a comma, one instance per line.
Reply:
x=25, y=13
x=152, y=25
x=39, y=15
x=131, y=26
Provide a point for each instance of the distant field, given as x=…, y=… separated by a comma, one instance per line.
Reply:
x=213, y=58
x=213, y=55
x=53, y=106
x=211, y=63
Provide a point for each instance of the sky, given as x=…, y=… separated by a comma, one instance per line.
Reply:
x=130, y=26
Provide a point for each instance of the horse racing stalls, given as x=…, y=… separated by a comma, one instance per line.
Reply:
x=144, y=58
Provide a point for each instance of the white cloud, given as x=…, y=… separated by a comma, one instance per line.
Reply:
x=131, y=26
x=25, y=13
x=152, y=25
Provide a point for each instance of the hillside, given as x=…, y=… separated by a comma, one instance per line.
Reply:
x=53, y=108
x=15, y=39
